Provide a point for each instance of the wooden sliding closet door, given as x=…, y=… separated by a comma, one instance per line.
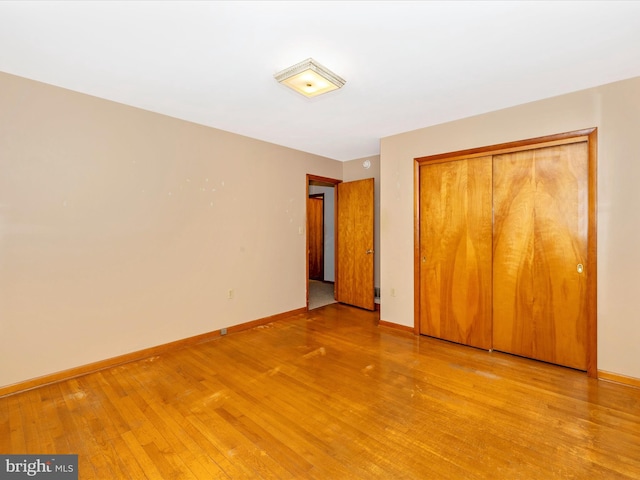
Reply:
x=455, y=251
x=540, y=252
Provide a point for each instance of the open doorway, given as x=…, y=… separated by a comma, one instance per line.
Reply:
x=321, y=264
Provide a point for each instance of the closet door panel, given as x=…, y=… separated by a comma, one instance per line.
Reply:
x=513, y=207
x=560, y=247
x=540, y=242
x=455, y=251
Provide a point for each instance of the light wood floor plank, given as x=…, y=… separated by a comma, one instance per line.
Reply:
x=330, y=395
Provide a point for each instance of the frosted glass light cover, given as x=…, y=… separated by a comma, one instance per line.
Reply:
x=309, y=78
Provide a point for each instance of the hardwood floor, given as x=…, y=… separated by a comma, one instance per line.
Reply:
x=330, y=395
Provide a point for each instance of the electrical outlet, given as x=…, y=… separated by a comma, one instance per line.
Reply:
x=223, y=331
x=230, y=294
x=393, y=292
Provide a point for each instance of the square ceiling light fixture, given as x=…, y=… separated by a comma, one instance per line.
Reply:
x=310, y=78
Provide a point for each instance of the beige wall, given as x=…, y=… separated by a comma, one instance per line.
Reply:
x=122, y=229
x=615, y=110
x=354, y=170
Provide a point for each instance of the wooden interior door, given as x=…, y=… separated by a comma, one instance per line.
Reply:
x=455, y=251
x=540, y=254
x=354, y=246
x=315, y=236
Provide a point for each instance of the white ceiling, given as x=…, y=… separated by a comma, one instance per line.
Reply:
x=407, y=64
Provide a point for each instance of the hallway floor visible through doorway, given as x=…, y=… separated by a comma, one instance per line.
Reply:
x=320, y=294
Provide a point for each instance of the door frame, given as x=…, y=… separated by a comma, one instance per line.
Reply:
x=328, y=182
x=590, y=135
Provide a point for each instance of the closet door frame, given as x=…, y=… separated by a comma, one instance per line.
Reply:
x=587, y=135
